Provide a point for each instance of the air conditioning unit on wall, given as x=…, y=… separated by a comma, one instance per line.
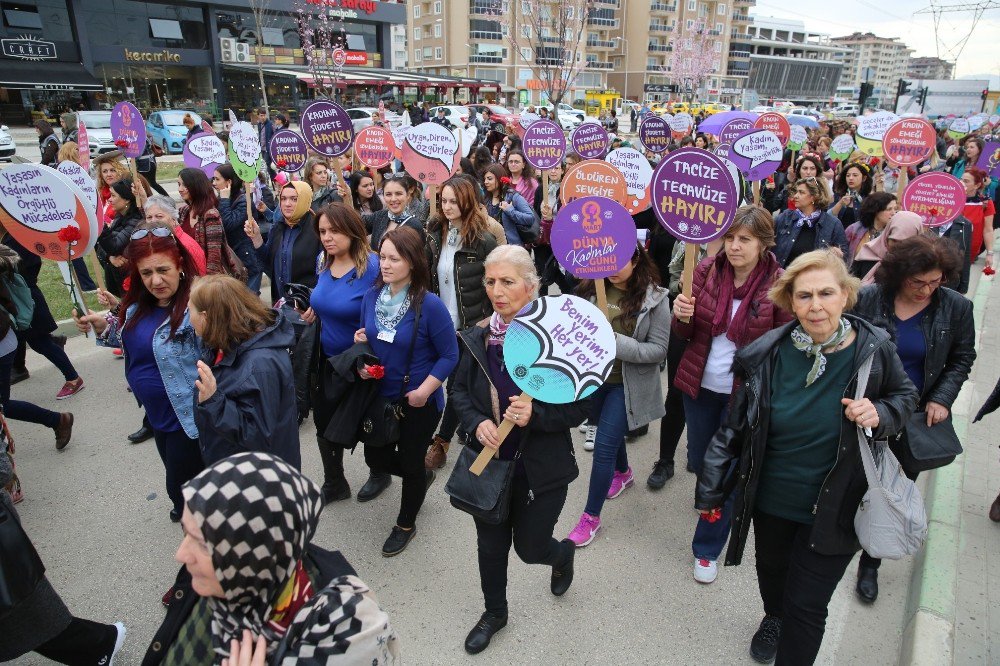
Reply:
x=234, y=51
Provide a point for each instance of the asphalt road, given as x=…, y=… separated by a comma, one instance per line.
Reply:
x=98, y=514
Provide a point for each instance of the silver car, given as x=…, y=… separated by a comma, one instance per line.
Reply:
x=7, y=145
x=98, y=131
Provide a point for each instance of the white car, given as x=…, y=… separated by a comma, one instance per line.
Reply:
x=98, y=131
x=456, y=115
x=761, y=109
x=846, y=111
x=8, y=147
x=570, y=121
x=361, y=117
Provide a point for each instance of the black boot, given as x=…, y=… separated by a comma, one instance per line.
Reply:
x=867, y=587
x=143, y=433
x=335, y=486
x=481, y=635
x=376, y=483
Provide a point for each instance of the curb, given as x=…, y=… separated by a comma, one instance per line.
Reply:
x=929, y=634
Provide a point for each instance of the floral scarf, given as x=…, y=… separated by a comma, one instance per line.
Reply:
x=389, y=309
x=804, y=342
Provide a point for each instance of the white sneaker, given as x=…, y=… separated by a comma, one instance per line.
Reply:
x=705, y=571
x=109, y=660
x=583, y=427
x=588, y=444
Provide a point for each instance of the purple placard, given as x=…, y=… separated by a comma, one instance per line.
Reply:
x=288, y=150
x=734, y=129
x=593, y=237
x=128, y=126
x=544, y=144
x=590, y=141
x=204, y=151
x=757, y=154
x=327, y=128
x=654, y=133
x=989, y=161
x=694, y=195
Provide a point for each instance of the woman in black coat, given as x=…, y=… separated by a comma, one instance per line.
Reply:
x=483, y=397
x=233, y=210
x=789, y=450
x=935, y=336
x=246, y=393
x=115, y=237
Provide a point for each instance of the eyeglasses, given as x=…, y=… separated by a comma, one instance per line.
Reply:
x=159, y=232
x=920, y=285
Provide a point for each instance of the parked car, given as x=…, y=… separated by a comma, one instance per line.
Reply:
x=165, y=128
x=499, y=114
x=803, y=111
x=846, y=111
x=569, y=121
x=714, y=107
x=761, y=109
x=98, y=131
x=456, y=115
x=361, y=117
x=659, y=108
x=7, y=145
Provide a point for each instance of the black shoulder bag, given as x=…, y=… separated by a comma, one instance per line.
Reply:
x=20, y=567
x=380, y=424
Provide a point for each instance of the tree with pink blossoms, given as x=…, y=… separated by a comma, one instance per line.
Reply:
x=693, y=58
x=320, y=35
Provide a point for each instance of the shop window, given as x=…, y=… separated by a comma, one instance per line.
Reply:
x=22, y=16
x=164, y=29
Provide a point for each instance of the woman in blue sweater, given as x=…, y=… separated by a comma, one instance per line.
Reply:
x=505, y=205
x=389, y=311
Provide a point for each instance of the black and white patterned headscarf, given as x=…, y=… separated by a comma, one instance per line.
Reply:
x=257, y=514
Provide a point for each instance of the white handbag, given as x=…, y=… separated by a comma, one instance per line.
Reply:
x=891, y=522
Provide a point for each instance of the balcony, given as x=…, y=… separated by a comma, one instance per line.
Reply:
x=486, y=59
x=483, y=10
x=596, y=64
x=481, y=34
x=739, y=55
x=608, y=3
x=661, y=27
x=660, y=7
x=741, y=18
x=713, y=33
x=738, y=69
x=601, y=43
x=603, y=22
x=659, y=48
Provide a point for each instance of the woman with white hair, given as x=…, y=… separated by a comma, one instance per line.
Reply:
x=485, y=395
x=161, y=210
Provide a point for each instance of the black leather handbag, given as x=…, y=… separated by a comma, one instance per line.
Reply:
x=487, y=496
x=920, y=449
x=20, y=567
x=380, y=424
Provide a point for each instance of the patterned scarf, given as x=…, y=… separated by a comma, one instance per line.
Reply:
x=401, y=218
x=807, y=220
x=803, y=342
x=389, y=309
x=498, y=329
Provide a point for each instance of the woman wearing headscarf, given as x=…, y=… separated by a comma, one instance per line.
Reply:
x=902, y=225
x=876, y=211
x=299, y=603
x=292, y=249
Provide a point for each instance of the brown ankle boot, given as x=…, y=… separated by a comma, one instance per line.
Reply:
x=995, y=510
x=437, y=454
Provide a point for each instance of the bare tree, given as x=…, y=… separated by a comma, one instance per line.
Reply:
x=263, y=17
x=320, y=35
x=693, y=58
x=551, y=35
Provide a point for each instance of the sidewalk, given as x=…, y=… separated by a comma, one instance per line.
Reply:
x=954, y=609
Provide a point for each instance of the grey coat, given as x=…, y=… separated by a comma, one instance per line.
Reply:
x=641, y=355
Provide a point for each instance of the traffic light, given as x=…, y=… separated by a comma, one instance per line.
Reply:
x=903, y=88
x=986, y=93
x=922, y=97
x=866, y=92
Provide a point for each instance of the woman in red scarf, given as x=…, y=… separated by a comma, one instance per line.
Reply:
x=979, y=209
x=728, y=309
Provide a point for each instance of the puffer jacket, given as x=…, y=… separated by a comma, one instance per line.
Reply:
x=743, y=439
x=949, y=333
x=546, y=443
x=764, y=316
x=253, y=407
x=473, y=305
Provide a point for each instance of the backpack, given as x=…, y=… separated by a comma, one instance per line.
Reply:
x=20, y=294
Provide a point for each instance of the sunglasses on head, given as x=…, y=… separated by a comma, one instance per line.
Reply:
x=159, y=232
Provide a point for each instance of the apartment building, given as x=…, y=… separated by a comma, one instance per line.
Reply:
x=881, y=61
x=930, y=69
x=788, y=62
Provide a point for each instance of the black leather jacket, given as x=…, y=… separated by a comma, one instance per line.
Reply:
x=743, y=439
x=949, y=333
x=468, y=274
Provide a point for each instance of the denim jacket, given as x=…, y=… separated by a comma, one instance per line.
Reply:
x=829, y=233
x=177, y=360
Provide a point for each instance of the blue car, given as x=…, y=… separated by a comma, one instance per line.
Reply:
x=166, y=129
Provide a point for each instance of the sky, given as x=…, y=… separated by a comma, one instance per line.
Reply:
x=896, y=18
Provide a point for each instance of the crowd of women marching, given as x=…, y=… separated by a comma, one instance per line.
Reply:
x=384, y=300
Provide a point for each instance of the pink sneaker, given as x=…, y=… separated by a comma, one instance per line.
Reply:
x=70, y=389
x=619, y=482
x=585, y=530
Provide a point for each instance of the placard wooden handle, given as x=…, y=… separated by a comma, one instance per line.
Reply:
x=687, y=277
x=487, y=453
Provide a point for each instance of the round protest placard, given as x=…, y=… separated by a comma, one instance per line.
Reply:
x=288, y=150
x=989, y=160
x=128, y=129
x=244, y=151
x=430, y=153
x=871, y=130
x=36, y=202
x=544, y=144
x=654, y=133
x=936, y=197
x=79, y=176
x=842, y=147
x=958, y=128
x=734, y=129
x=797, y=137
x=757, y=154
x=681, y=124
x=694, y=195
x=590, y=141
x=637, y=172
x=83, y=144
x=909, y=141
x=722, y=152
x=976, y=121
x=775, y=123
x=559, y=349
x=592, y=178
x=204, y=151
x=593, y=237
x=327, y=128
x=375, y=146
